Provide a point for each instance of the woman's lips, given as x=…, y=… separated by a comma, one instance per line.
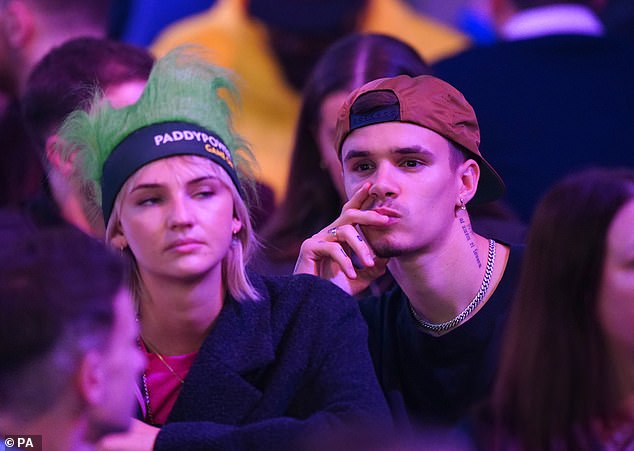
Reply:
x=184, y=245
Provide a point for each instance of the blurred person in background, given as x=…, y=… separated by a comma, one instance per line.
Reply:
x=554, y=95
x=28, y=30
x=63, y=81
x=566, y=378
x=68, y=353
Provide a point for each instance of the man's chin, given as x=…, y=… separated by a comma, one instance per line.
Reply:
x=384, y=241
x=384, y=248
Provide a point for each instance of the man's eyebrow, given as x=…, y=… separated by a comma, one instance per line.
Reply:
x=415, y=150
x=356, y=154
x=410, y=150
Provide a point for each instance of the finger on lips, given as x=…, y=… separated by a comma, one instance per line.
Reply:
x=362, y=217
x=358, y=197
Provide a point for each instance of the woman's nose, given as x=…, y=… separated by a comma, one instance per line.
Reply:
x=179, y=214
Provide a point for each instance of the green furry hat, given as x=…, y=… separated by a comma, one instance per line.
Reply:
x=184, y=110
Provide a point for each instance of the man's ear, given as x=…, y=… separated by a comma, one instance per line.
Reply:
x=468, y=177
x=91, y=378
x=19, y=23
x=53, y=156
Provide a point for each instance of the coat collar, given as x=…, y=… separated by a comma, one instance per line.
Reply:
x=218, y=387
x=241, y=338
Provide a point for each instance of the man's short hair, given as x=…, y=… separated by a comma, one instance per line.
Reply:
x=57, y=292
x=66, y=78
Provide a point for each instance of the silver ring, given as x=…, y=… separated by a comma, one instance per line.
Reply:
x=333, y=232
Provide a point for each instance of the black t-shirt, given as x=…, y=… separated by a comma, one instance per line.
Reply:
x=437, y=380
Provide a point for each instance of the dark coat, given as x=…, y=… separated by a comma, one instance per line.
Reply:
x=288, y=367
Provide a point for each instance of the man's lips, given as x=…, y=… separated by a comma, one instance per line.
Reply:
x=385, y=211
x=393, y=216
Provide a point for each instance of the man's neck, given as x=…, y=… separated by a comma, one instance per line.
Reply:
x=441, y=282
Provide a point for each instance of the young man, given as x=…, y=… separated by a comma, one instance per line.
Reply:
x=69, y=359
x=28, y=30
x=411, y=163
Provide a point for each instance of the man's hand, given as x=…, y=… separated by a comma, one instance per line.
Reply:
x=327, y=254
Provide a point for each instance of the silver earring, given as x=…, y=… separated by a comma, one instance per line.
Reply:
x=462, y=205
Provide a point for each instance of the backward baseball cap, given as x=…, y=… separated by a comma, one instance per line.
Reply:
x=428, y=102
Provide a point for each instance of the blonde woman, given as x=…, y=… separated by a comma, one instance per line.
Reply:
x=236, y=361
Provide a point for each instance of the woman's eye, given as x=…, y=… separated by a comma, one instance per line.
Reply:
x=204, y=194
x=149, y=201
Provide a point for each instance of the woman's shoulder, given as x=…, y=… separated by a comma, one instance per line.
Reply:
x=308, y=307
x=304, y=292
x=302, y=286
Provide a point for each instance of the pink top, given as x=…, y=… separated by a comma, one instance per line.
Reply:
x=162, y=384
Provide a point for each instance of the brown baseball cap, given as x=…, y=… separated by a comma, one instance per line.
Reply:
x=431, y=103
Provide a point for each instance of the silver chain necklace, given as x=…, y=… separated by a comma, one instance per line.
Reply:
x=441, y=327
